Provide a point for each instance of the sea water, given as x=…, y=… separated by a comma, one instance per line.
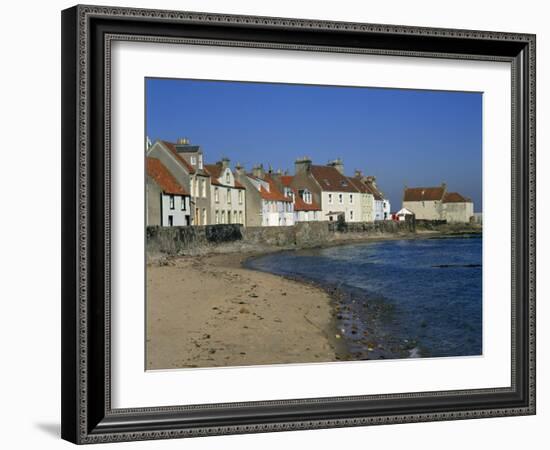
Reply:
x=422, y=295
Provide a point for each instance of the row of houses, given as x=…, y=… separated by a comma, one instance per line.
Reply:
x=181, y=189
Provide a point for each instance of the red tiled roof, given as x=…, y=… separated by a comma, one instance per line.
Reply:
x=158, y=172
x=273, y=194
x=300, y=205
x=420, y=194
x=214, y=170
x=172, y=148
x=331, y=180
x=359, y=185
x=455, y=197
x=374, y=191
x=286, y=180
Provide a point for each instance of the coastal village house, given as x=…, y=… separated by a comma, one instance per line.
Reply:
x=167, y=202
x=435, y=203
x=330, y=189
x=366, y=197
x=305, y=208
x=186, y=164
x=266, y=205
x=228, y=196
x=381, y=204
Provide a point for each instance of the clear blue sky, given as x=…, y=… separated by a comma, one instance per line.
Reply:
x=403, y=137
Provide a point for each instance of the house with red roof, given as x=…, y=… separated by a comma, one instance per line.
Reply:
x=305, y=208
x=228, y=196
x=435, y=203
x=330, y=189
x=186, y=164
x=266, y=205
x=167, y=202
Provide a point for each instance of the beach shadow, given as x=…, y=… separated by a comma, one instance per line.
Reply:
x=53, y=429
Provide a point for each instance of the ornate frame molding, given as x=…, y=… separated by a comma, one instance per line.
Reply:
x=84, y=421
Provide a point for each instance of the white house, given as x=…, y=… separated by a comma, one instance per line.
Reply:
x=275, y=208
x=228, y=196
x=403, y=213
x=167, y=202
x=185, y=162
x=381, y=204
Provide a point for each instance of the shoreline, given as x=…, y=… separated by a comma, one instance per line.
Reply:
x=320, y=338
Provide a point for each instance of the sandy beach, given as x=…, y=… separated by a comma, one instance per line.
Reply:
x=208, y=311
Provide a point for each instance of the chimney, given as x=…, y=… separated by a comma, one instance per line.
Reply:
x=239, y=170
x=258, y=171
x=302, y=165
x=444, y=186
x=358, y=173
x=183, y=141
x=338, y=164
x=224, y=163
x=372, y=180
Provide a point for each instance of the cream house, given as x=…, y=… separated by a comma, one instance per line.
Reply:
x=228, y=196
x=330, y=189
x=435, y=203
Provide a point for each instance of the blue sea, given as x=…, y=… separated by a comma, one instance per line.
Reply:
x=399, y=298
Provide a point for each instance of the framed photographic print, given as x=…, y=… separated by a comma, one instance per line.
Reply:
x=278, y=224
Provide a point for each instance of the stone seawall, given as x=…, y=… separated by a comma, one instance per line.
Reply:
x=172, y=241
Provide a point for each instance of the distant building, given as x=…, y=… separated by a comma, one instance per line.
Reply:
x=228, y=196
x=435, y=203
x=167, y=202
x=185, y=162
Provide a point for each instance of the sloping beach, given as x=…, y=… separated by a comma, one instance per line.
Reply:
x=208, y=311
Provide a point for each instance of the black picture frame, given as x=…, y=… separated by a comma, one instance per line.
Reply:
x=87, y=416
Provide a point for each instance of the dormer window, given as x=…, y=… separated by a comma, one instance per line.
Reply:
x=306, y=196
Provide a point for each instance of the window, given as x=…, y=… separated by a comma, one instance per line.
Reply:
x=330, y=198
x=172, y=202
x=227, y=177
x=203, y=188
x=228, y=196
x=182, y=203
x=204, y=216
x=228, y=216
x=223, y=216
x=351, y=215
x=193, y=160
x=240, y=196
x=241, y=217
x=217, y=217
x=170, y=221
x=340, y=198
x=351, y=199
x=216, y=195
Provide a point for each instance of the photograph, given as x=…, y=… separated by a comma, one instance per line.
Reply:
x=300, y=223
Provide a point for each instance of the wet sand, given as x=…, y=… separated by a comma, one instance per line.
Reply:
x=208, y=311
